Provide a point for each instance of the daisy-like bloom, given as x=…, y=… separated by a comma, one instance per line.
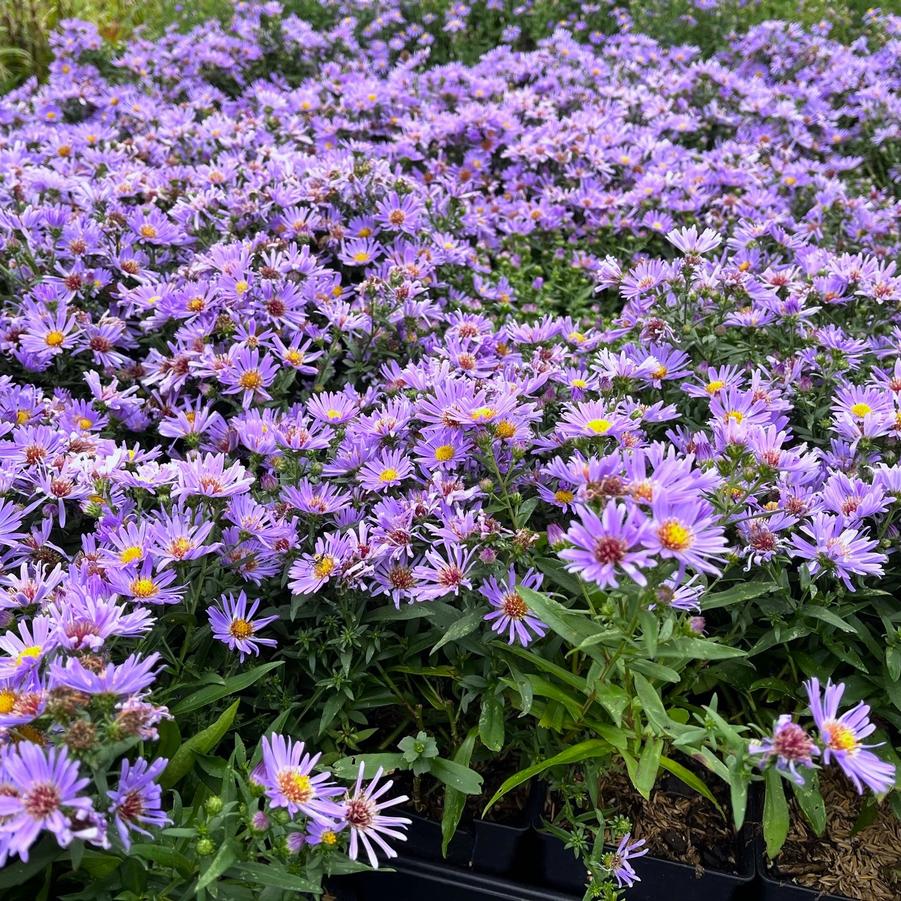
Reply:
x=511, y=613
x=44, y=793
x=286, y=774
x=684, y=596
x=312, y=571
x=144, y=585
x=26, y=650
x=590, y=419
x=122, y=679
x=442, y=573
x=618, y=862
x=359, y=251
x=834, y=548
x=691, y=243
x=316, y=499
x=178, y=536
x=333, y=407
x=601, y=545
x=790, y=746
x=324, y=832
x=208, y=476
x=843, y=736
x=390, y=468
x=233, y=624
x=137, y=800
x=251, y=374
x=362, y=811
x=687, y=532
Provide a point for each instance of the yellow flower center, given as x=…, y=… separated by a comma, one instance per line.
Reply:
x=579, y=383
x=674, y=536
x=480, y=414
x=388, y=475
x=840, y=737
x=148, y=231
x=241, y=628
x=180, y=547
x=54, y=338
x=333, y=413
x=735, y=415
x=242, y=287
x=143, y=588
x=361, y=256
x=30, y=653
x=714, y=386
x=444, y=452
x=861, y=409
x=329, y=838
x=562, y=496
x=251, y=379
x=84, y=423
x=130, y=554
x=294, y=357
x=7, y=700
x=598, y=426
x=22, y=417
x=294, y=786
x=505, y=430
x=323, y=567
x=578, y=337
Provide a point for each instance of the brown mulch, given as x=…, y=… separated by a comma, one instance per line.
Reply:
x=863, y=866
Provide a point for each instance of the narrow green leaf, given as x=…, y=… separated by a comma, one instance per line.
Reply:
x=272, y=875
x=737, y=594
x=163, y=855
x=811, y=803
x=457, y=776
x=651, y=703
x=775, y=813
x=648, y=764
x=464, y=626
x=225, y=857
x=698, y=649
x=683, y=774
x=201, y=743
x=454, y=800
x=584, y=750
x=213, y=693
x=491, y=723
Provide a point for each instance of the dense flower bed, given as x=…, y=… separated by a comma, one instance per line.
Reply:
x=544, y=409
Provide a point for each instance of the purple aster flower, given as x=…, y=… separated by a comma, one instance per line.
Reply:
x=511, y=613
x=601, y=544
x=286, y=775
x=233, y=624
x=137, y=800
x=687, y=532
x=362, y=811
x=309, y=573
x=445, y=570
x=324, y=832
x=789, y=745
x=128, y=678
x=251, y=374
x=26, y=650
x=843, y=736
x=618, y=862
x=390, y=468
x=47, y=796
x=833, y=547
x=209, y=477
x=690, y=242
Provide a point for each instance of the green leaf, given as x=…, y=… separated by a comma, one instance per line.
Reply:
x=225, y=857
x=651, y=703
x=698, y=649
x=349, y=767
x=811, y=803
x=20, y=871
x=648, y=764
x=827, y=616
x=213, y=693
x=775, y=814
x=464, y=626
x=556, y=572
x=491, y=723
x=572, y=626
x=683, y=774
x=454, y=800
x=584, y=750
x=164, y=856
x=202, y=743
x=743, y=591
x=654, y=670
x=455, y=775
x=272, y=875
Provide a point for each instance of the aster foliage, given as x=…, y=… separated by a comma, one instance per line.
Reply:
x=367, y=416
